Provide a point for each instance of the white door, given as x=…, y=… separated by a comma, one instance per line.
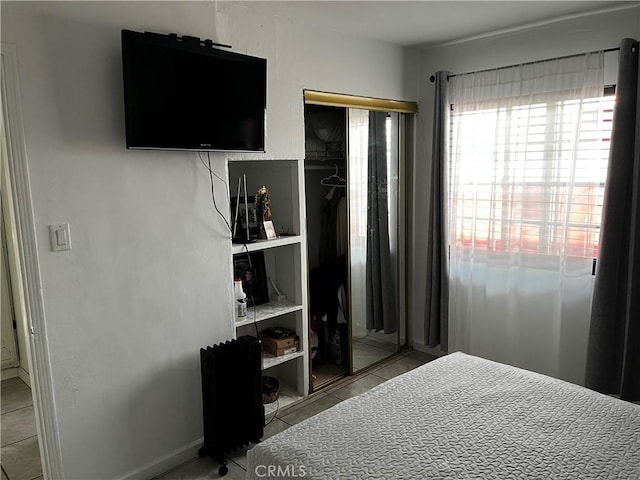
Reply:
x=7, y=320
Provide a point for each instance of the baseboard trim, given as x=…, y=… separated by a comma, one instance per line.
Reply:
x=166, y=463
x=9, y=372
x=431, y=351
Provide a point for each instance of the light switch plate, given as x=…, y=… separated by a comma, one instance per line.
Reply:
x=60, y=237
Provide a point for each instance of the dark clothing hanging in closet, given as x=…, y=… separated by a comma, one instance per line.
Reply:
x=324, y=283
x=328, y=226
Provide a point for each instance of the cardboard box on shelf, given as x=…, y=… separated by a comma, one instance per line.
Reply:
x=280, y=346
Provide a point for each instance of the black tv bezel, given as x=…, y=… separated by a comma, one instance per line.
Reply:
x=186, y=44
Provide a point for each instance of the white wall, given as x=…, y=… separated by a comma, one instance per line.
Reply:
x=567, y=37
x=148, y=280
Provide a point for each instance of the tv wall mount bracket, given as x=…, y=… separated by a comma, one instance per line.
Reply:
x=207, y=42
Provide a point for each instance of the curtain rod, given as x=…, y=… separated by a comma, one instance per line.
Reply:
x=432, y=78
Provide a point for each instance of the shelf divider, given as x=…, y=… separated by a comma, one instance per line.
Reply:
x=269, y=360
x=264, y=244
x=267, y=310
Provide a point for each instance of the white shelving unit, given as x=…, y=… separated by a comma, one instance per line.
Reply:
x=285, y=264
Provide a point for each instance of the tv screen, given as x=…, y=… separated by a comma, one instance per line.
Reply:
x=183, y=94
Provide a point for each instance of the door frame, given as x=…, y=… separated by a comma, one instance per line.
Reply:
x=403, y=108
x=24, y=264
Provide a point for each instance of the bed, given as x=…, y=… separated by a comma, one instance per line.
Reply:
x=461, y=417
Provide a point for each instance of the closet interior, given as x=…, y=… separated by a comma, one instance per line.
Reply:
x=327, y=242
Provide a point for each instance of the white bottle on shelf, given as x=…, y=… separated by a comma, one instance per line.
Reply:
x=240, y=304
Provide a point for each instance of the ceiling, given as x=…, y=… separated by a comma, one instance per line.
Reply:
x=426, y=23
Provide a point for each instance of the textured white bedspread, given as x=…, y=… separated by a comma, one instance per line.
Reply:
x=461, y=417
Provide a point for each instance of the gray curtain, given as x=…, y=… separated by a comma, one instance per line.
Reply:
x=436, y=322
x=381, y=301
x=613, y=356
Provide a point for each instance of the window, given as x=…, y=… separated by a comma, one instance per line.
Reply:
x=530, y=178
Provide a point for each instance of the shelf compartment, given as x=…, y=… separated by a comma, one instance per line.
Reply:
x=286, y=396
x=268, y=310
x=269, y=360
x=265, y=244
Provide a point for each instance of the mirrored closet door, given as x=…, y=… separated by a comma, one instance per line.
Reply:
x=355, y=210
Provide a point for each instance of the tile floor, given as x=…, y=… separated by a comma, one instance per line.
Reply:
x=21, y=459
x=366, y=352
x=369, y=350
x=205, y=468
x=20, y=455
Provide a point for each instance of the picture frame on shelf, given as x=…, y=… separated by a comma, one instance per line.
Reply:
x=269, y=230
x=250, y=268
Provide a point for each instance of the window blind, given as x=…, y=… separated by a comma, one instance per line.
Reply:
x=530, y=178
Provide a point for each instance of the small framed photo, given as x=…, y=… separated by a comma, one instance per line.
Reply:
x=269, y=230
x=245, y=211
x=253, y=275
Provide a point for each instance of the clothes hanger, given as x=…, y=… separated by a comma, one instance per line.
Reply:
x=333, y=180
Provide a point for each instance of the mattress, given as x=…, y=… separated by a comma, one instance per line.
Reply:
x=461, y=417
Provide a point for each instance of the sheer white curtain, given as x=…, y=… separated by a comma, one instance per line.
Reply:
x=358, y=121
x=528, y=163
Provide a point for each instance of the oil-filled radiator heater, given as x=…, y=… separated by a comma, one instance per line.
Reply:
x=232, y=407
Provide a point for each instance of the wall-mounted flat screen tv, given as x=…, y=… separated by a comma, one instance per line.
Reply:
x=183, y=94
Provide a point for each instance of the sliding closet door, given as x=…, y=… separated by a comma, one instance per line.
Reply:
x=354, y=174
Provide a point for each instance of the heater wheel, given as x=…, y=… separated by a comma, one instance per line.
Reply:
x=202, y=452
x=223, y=470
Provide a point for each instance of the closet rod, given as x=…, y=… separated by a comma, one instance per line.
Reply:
x=315, y=97
x=432, y=78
